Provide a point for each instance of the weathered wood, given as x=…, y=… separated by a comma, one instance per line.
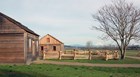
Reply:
x=50, y=44
x=14, y=40
x=74, y=55
x=10, y=46
x=60, y=55
x=44, y=55
x=106, y=55
x=89, y=55
x=9, y=27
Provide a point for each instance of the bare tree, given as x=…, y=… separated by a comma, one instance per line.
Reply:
x=89, y=45
x=121, y=22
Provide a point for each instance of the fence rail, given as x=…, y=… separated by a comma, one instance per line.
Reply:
x=102, y=54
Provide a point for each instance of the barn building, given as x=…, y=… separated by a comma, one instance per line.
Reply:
x=18, y=44
x=49, y=43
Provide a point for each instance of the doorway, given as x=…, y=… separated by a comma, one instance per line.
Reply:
x=42, y=48
x=54, y=48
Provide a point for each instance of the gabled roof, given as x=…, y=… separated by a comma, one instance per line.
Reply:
x=18, y=24
x=53, y=38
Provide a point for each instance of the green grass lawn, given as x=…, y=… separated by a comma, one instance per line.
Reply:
x=48, y=70
x=99, y=61
x=132, y=52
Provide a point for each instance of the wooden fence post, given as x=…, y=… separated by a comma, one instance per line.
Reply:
x=89, y=55
x=59, y=57
x=44, y=56
x=116, y=55
x=106, y=56
x=74, y=57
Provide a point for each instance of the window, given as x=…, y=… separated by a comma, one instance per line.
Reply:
x=48, y=40
x=54, y=48
x=42, y=48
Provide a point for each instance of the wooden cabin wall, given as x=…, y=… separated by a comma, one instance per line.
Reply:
x=52, y=40
x=11, y=48
x=7, y=26
x=48, y=43
x=11, y=42
x=49, y=47
x=58, y=47
x=14, y=42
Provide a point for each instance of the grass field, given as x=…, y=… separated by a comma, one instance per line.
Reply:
x=45, y=70
x=49, y=70
x=99, y=61
x=125, y=61
x=132, y=52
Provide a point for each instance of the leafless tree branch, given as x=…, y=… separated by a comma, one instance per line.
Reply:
x=121, y=22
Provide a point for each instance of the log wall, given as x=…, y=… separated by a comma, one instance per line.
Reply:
x=14, y=42
x=11, y=48
x=7, y=26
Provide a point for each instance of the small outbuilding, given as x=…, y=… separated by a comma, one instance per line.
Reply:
x=49, y=43
x=18, y=44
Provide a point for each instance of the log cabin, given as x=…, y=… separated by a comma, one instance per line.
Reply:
x=50, y=44
x=18, y=44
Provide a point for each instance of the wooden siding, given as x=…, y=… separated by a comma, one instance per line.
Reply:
x=14, y=42
x=7, y=26
x=49, y=47
x=11, y=48
x=50, y=44
x=53, y=40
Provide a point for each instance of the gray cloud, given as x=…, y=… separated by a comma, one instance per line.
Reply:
x=68, y=20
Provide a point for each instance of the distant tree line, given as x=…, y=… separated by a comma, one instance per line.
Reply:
x=133, y=47
x=104, y=47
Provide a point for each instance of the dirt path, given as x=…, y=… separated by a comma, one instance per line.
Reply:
x=85, y=64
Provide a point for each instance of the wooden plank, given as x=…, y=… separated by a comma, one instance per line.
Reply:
x=11, y=48
x=9, y=26
x=11, y=53
x=13, y=60
x=10, y=45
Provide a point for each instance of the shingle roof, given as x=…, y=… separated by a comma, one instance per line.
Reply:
x=18, y=24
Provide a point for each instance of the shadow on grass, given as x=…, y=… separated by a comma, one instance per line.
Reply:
x=13, y=73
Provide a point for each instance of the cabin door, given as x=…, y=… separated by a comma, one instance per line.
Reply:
x=54, y=48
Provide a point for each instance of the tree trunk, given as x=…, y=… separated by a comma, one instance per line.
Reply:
x=123, y=54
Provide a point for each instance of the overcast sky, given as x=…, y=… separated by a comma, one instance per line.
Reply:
x=70, y=21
